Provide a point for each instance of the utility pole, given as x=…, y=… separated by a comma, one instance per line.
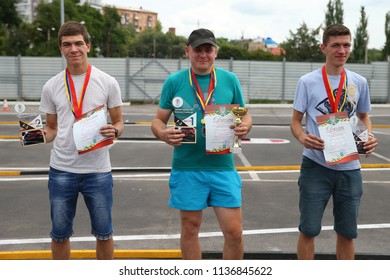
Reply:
x=62, y=22
x=388, y=79
x=62, y=12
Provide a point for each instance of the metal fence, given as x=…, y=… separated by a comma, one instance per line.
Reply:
x=141, y=79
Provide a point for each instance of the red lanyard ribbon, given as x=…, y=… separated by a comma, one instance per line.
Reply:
x=77, y=107
x=194, y=84
x=334, y=102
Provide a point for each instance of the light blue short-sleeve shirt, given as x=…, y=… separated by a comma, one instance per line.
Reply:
x=311, y=98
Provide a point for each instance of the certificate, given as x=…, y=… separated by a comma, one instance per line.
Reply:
x=336, y=131
x=86, y=133
x=219, y=135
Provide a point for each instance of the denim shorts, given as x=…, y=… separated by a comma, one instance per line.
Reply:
x=64, y=188
x=197, y=190
x=316, y=185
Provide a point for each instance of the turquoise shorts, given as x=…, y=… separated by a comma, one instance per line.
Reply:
x=197, y=190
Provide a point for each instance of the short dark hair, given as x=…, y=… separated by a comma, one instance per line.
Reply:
x=72, y=28
x=335, y=30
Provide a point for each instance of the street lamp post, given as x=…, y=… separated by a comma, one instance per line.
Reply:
x=366, y=50
x=47, y=32
x=62, y=12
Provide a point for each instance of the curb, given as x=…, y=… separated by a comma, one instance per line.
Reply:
x=174, y=254
x=91, y=254
x=44, y=171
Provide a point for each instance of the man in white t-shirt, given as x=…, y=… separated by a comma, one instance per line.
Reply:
x=78, y=89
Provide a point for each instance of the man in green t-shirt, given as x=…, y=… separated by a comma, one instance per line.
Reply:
x=199, y=180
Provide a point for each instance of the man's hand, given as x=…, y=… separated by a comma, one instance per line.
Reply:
x=108, y=131
x=172, y=136
x=242, y=130
x=311, y=141
x=370, y=145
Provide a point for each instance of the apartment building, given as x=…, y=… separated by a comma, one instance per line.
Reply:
x=27, y=9
x=140, y=18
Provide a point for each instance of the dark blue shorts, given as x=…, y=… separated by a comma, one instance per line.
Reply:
x=64, y=188
x=316, y=185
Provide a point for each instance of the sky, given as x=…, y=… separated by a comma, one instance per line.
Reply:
x=234, y=19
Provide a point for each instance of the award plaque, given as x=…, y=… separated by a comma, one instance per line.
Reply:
x=32, y=137
x=31, y=126
x=189, y=134
x=360, y=133
x=185, y=120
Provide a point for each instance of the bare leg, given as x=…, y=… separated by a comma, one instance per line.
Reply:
x=105, y=249
x=189, y=241
x=60, y=250
x=305, y=247
x=230, y=221
x=345, y=248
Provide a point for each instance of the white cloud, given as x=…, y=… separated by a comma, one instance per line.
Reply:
x=252, y=18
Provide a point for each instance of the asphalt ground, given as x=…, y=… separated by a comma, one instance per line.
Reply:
x=146, y=227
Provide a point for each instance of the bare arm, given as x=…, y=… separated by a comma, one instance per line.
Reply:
x=169, y=135
x=51, y=127
x=308, y=140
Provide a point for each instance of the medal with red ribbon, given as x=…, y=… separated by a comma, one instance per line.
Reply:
x=194, y=84
x=77, y=107
x=334, y=101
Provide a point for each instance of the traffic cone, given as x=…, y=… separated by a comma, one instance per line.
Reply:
x=5, y=105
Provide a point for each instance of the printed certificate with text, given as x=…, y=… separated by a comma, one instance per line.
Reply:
x=336, y=131
x=86, y=131
x=219, y=135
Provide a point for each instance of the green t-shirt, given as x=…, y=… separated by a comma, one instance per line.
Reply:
x=178, y=95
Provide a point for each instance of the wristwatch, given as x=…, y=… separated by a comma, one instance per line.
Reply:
x=116, y=133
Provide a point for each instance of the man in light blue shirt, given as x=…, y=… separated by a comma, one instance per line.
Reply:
x=319, y=181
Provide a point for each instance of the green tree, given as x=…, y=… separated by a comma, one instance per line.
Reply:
x=175, y=45
x=329, y=15
x=115, y=38
x=18, y=42
x=335, y=13
x=338, y=12
x=148, y=44
x=303, y=45
x=360, y=42
x=44, y=29
x=8, y=13
x=375, y=55
x=106, y=35
x=10, y=23
x=386, y=49
x=262, y=55
x=156, y=44
x=228, y=51
x=238, y=50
